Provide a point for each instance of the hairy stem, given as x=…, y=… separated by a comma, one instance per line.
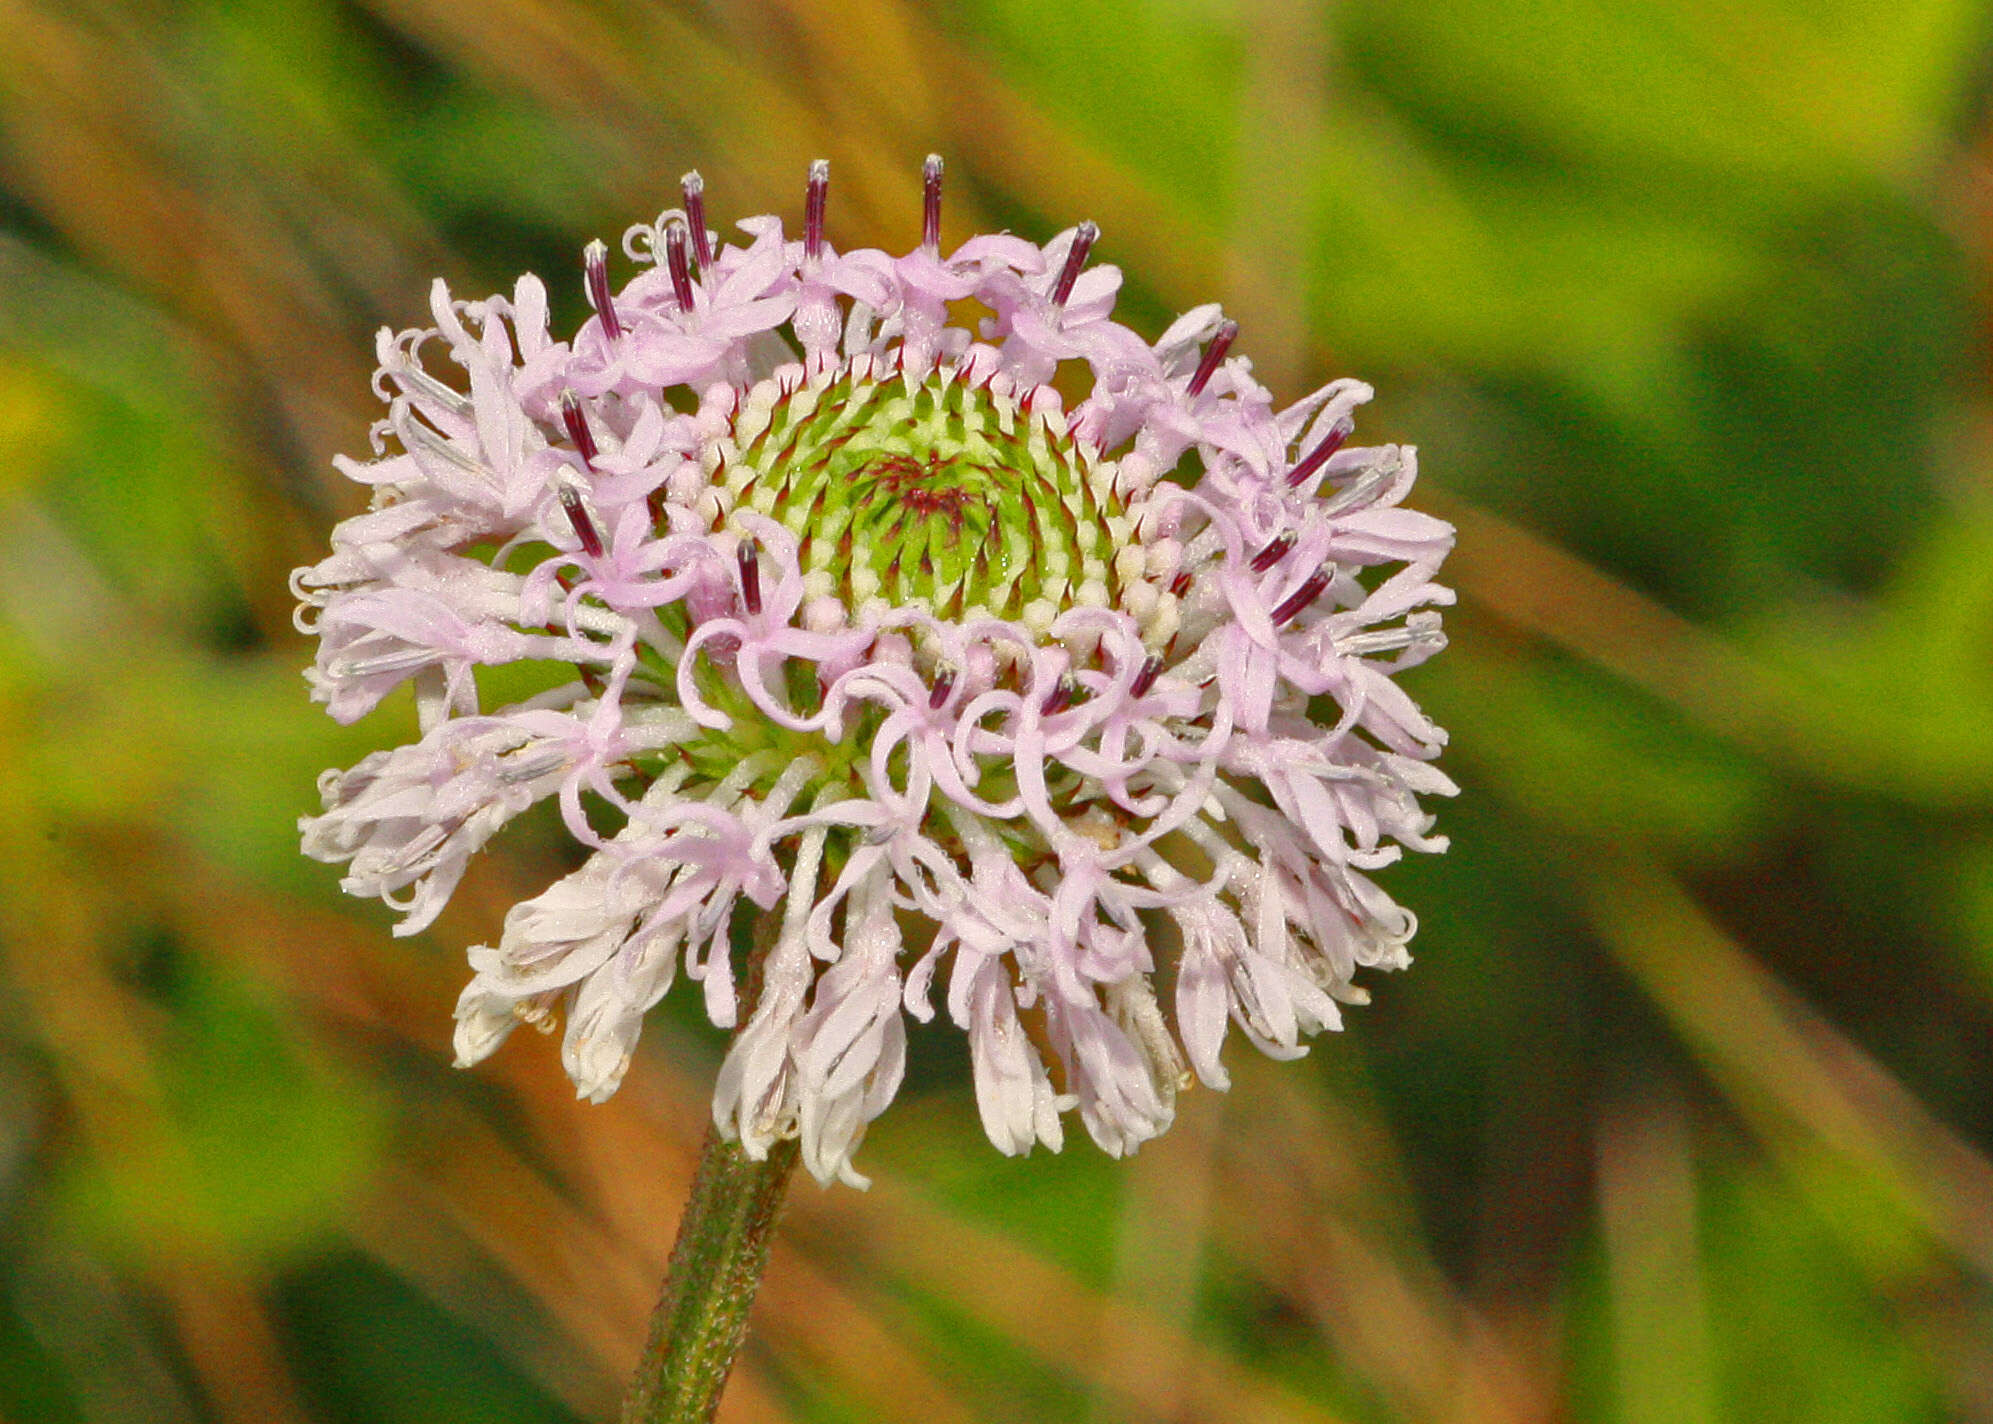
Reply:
x=719, y=1256
x=716, y=1266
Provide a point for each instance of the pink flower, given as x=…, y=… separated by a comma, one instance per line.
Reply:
x=869, y=631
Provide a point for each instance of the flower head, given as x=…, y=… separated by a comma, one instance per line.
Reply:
x=1078, y=725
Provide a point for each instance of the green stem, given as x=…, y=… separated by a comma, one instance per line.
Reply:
x=716, y=1265
x=719, y=1256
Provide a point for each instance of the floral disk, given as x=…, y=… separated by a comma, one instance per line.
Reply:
x=1081, y=720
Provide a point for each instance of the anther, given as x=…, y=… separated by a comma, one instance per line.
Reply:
x=1421, y=631
x=1302, y=596
x=749, y=555
x=1221, y=342
x=694, y=188
x=676, y=261
x=1084, y=238
x=1272, y=554
x=577, y=515
x=416, y=381
x=595, y=263
x=944, y=683
x=576, y=422
x=1180, y=585
x=930, y=215
x=1146, y=675
x=817, y=195
x=1062, y=697
x=1317, y=457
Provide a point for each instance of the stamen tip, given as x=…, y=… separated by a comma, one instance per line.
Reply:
x=694, y=188
x=595, y=270
x=813, y=208
x=576, y=421
x=678, y=264
x=1302, y=596
x=1084, y=237
x=1344, y=427
x=749, y=558
x=1221, y=342
x=584, y=527
x=930, y=214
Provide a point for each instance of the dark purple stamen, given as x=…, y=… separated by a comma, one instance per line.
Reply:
x=1062, y=697
x=1302, y=596
x=680, y=266
x=813, y=209
x=576, y=422
x=1180, y=585
x=1221, y=342
x=930, y=213
x=1083, y=239
x=1317, y=457
x=1146, y=675
x=595, y=263
x=944, y=683
x=1272, y=554
x=584, y=527
x=749, y=555
x=695, y=218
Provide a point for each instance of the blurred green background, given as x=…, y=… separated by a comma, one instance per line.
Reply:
x=1685, y=1112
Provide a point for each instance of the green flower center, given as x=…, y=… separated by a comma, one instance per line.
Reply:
x=941, y=494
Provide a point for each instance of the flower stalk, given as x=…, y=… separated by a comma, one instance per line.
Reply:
x=709, y=1288
x=724, y=1236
